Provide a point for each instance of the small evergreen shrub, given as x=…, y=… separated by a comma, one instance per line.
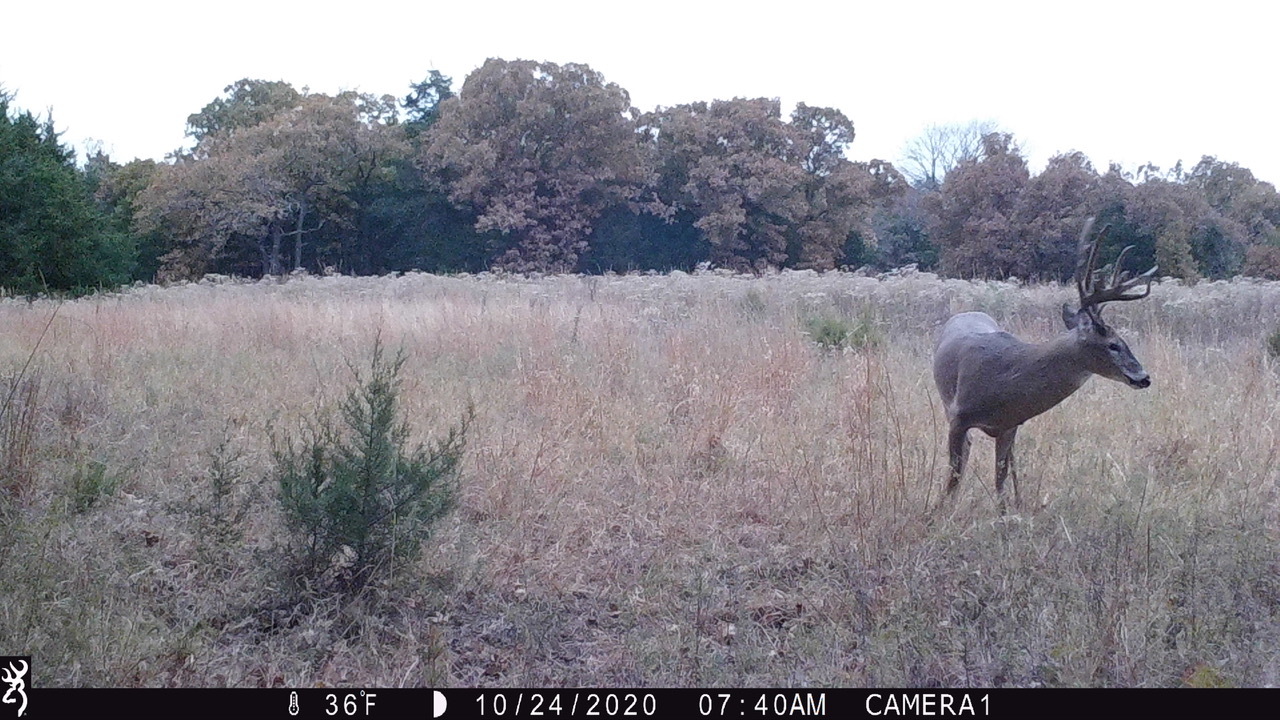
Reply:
x=355, y=496
x=221, y=506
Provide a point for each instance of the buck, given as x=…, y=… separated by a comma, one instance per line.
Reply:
x=994, y=382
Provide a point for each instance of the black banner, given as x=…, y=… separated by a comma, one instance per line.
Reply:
x=331, y=703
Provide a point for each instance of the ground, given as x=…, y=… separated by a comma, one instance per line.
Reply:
x=672, y=480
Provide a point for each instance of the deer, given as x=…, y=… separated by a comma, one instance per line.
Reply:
x=994, y=382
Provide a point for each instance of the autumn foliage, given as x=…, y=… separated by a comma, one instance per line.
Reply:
x=540, y=167
x=538, y=151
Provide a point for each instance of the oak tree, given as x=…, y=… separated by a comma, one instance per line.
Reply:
x=254, y=194
x=1050, y=211
x=246, y=103
x=537, y=151
x=974, y=214
x=763, y=192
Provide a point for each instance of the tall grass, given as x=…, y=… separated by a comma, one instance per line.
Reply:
x=668, y=483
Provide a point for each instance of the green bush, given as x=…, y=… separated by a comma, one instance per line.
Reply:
x=1273, y=343
x=90, y=484
x=221, y=507
x=836, y=332
x=355, y=497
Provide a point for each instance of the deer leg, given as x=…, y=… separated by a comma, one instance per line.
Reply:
x=958, y=448
x=1004, y=464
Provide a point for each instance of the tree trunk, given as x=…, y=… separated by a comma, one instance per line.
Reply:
x=297, y=240
x=271, y=261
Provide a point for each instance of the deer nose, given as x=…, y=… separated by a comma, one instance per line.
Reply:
x=1142, y=382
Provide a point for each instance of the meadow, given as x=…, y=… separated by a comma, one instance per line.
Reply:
x=671, y=480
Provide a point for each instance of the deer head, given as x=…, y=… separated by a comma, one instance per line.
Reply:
x=1103, y=349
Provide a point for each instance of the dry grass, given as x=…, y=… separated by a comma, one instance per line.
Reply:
x=667, y=484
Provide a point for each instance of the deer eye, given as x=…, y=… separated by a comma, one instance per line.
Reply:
x=1114, y=347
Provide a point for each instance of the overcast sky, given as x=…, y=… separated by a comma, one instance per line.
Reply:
x=1127, y=82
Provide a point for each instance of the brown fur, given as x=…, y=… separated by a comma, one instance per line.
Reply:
x=992, y=381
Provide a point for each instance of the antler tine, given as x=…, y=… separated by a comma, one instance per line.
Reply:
x=1102, y=234
x=1115, y=269
x=1133, y=282
x=1086, y=256
x=1118, y=282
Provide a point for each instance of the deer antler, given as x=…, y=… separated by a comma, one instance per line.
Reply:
x=1118, y=283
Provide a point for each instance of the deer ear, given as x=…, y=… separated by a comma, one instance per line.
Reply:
x=1069, y=318
x=1088, y=322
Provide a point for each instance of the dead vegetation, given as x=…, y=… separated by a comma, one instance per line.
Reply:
x=667, y=483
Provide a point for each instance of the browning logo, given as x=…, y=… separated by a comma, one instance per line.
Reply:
x=13, y=671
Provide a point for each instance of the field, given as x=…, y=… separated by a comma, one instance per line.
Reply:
x=680, y=480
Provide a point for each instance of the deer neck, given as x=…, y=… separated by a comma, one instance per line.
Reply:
x=1056, y=368
x=1038, y=377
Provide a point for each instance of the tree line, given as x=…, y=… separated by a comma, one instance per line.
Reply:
x=539, y=167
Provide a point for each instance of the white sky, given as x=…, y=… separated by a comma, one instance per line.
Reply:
x=1130, y=82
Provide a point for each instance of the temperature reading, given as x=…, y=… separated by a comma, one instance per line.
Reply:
x=349, y=704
